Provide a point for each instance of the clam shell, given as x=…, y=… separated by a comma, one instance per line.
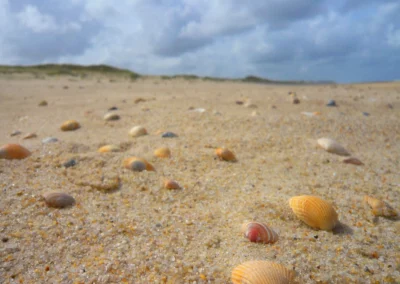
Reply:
x=163, y=152
x=137, y=131
x=332, y=146
x=259, y=233
x=261, y=272
x=135, y=163
x=111, y=116
x=109, y=148
x=13, y=151
x=58, y=199
x=353, y=161
x=314, y=211
x=70, y=125
x=171, y=184
x=379, y=207
x=225, y=154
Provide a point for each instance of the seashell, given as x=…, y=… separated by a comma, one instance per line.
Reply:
x=353, y=161
x=332, y=146
x=135, y=164
x=169, y=134
x=331, y=103
x=29, y=136
x=13, y=151
x=111, y=116
x=259, y=233
x=70, y=125
x=261, y=272
x=139, y=100
x=69, y=163
x=109, y=148
x=380, y=208
x=225, y=154
x=15, y=133
x=162, y=152
x=43, y=103
x=171, y=184
x=314, y=211
x=137, y=131
x=58, y=199
x=112, y=108
x=49, y=140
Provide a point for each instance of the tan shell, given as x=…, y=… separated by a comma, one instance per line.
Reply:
x=29, y=136
x=332, y=146
x=171, y=184
x=14, y=151
x=129, y=161
x=137, y=131
x=353, y=161
x=162, y=152
x=111, y=116
x=225, y=154
x=259, y=233
x=70, y=125
x=314, y=211
x=380, y=208
x=109, y=148
x=261, y=272
x=58, y=199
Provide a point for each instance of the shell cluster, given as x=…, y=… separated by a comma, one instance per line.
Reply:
x=332, y=146
x=379, y=207
x=259, y=233
x=225, y=154
x=70, y=125
x=14, y=151
x=58, y=199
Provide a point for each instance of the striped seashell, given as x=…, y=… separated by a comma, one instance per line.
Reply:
x=134, y=163
x=137, y=131
x=261, y=272
x=314, y=211
x=259, y=233
x=379, y=207
x=58, y=199
x=109, y=148
x=353, y=161
x=171, y=184
x=162, y=152
x=70, y=125
x=332, y=146
x=225, y=154
x=111, y=116
x=14, y=151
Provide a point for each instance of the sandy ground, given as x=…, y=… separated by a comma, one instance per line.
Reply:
x=143, y=233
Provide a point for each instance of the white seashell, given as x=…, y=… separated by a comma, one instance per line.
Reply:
x=138, y=131
x=332, y=146
x=111, y=116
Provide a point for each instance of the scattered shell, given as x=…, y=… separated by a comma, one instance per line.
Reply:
x=295, y=101
x=259, y=233
x=135, y=163
x=109, y=148
x=111, y=116
x=171, y=184
x=239, y=102
x=162, y=152
x=43, y=103
x=15, y=133
x=353, y=161
x=225, y=154
x=261, y=272
x=13, y=151
x=137, y=131
x=380, y=208
x=331, y=103
x=69, y=163
x=49, y=140
x=332, y=146
x=112, y=108
x=70, y=125
x=29, y=136
x=169, y=134
x=58, y=199
x=200, y=110
x=314, y=211
x=139, y=100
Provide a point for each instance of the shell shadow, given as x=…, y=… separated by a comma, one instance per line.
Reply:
x=342, y=229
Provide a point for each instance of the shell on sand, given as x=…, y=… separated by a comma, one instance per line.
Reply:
x=353, y=161
x=109, y=148
x=261, y=272
x=129, y=164
x=29, y=136
x=332, y=146
x=70, y=125
x=111, y=116
x=13, y=151
x=259, y=233
x=314, y=211
x=379, y=207
x=171, y=184
x=225, y=154
x=58, y=199
x=163, y=152
x=137, y=131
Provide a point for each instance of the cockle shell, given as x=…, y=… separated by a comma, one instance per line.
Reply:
x=137, y=131
x=314, y=211
x=353, y=161
x=261, y=272
x=225, y=154
x=259, y=233
x=109, y=148
x=13, y=151
x=379, y=207
x=70, y=125
x=58, y=199
x=135, y=163
x=163, y=152
x=111, y=116
x=332, y=146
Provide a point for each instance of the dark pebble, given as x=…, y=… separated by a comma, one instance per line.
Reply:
x=112, y=108
x=169, y=135
x=331, y=103
x=365, y=113
x=69, y=163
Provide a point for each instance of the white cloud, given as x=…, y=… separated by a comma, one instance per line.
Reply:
x=31, y=18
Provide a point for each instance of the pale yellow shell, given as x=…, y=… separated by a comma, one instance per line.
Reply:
x=162, y=152
x=171, y=184
x=137, y=131
x=70, y=125
x=128, y=163
x=259, y=233
x=332, y=146
x=109, y=148
x=225, y=154
x=261, y=272
x=379, y=207
x=111, y=116
x=58, y=199
x=314, y=211
x=14, y=151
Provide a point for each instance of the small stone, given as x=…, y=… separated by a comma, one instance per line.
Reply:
x=15, y=133
x=49, y=140
x=58, y=199
x=43, y=103
x=137, y=166
x=295, y=101
x=138, y=131
x=112, y=108
x=139, y=100
x=390, y=106
x=365, y=113
x=239, y=102
x=353, y=161
x=331, y=103
x=169, y=134
x=69, y=163
x=111, y=116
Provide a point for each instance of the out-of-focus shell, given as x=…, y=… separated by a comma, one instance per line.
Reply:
x=29, y=136
x=314, y=211
x=13, y=151
x=109, y=148
x=259, y=233
x=137, y=131
x=163, y=152
x=130, y=164
x=111, y=116
x=379, y=207
x=353, y=161
x=225, y=154
x=58, y=199
x=261, y=272
x=332, y=146
x=171, y=184
x=70, y=125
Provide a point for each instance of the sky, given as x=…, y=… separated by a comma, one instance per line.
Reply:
x=340, y=40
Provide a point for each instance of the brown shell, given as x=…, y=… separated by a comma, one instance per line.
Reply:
x=171, y=184
x=259, y=233
x=109, y=148
x=70, y=125
x=314, y=211
x=332, y=146
x=261, y=272
x=225, y=154
x=137, y=131
x=30, y=135
x=14, y=151
x=58, y=199
x=163, y=152
x=353, y=161
x=128, y=163
x=379, y=207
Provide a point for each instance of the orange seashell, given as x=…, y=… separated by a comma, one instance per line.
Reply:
x=58, y=199
x=259, y=233
x=353, y=161
x=109, y=148
x=332, y=146
x=70, y=125
x=13, y=151
x=261, y=272
x=130, y=164
x=162, y=152
x=225, y=154
x=314, y=211
x=379, y=207
x=171, y=184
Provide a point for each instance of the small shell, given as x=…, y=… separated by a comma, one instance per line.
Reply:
x=380, y=208
x=29, y=136
x=169, y=134
x=43, y=103
x=109, y=148
x=111, y=116
x=259, y=233
x=353, y=161
x=225, y=154
x=135, y=163
x=15, y=133
x=137, y=131
x=171, y=184
x=295, y=101
x=70, y=125
x=13, y=151
x=58, y=199
x=49, y=140
x=314, y=211
x=261, y=272
x=162, y=152
x=332, y=146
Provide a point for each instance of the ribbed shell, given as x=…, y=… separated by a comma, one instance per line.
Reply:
x=70, y=125
x=225, y=154
x=379, y=207
x=162, y=152
x=13, y=151
x=109, y=148
x=137, y=131
x=128, y=163
x=332, y=146
x=259, y=233
x=58, y=199
x=261, y=272
x=314, y=211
